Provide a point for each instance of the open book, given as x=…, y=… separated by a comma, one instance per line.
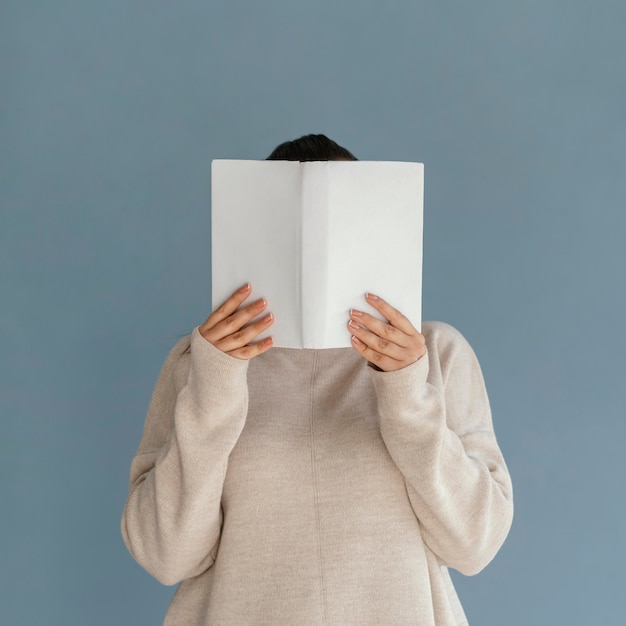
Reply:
x=312, y=238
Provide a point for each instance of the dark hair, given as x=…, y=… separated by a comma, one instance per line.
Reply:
x=311, y=148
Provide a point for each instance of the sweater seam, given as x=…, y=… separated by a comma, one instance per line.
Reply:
x=316, y=493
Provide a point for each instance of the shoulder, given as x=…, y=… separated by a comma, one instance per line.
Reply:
x=447, y=345
x=179, y=352
x=441, y=330
x=444, y=336
x=176, y=366
x=194, y=352
x=181, y=347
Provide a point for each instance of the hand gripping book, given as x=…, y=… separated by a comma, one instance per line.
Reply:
x=312, y=238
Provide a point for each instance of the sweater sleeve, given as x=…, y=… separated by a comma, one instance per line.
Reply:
x=172, y=519
x=436, y=422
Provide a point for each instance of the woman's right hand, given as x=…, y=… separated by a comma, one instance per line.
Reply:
x=226, y=327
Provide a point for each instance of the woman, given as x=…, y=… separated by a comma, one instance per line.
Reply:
x=282, y=486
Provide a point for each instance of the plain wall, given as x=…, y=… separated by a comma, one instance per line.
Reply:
x=110, y=113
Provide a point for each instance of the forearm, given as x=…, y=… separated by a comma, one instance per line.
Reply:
x=171, y=522
x=445, y=447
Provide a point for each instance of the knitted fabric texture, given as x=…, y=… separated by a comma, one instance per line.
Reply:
x=303, y=487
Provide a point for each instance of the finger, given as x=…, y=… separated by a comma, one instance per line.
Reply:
x=375, y=342
x=394, y=316
x=380, y=360
x=227, y=308
x=236, y=321
x=245, y=335
x=380, y=328
x=252, y=349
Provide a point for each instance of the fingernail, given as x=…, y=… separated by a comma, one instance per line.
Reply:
x=269, y=341
x=356, y=341
x=371, y=296
x=268, y=318
x=353, y=325
x=260, y=303
x=355, y=313
x=245, y=288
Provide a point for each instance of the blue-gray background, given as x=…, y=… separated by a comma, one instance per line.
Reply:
x=110, y=113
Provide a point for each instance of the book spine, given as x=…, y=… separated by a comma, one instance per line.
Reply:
x=314, y=254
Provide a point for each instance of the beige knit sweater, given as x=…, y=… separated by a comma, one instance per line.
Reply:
x=305, y=488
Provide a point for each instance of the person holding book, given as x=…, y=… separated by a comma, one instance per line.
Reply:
x=303, y=486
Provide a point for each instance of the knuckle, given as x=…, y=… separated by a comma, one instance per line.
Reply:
x=381, y=343
x=231, y=324
x=374, y=356
x=239, y=336
x=209, y=335
x=254, y=350
x=387, y=308
x=388, y=330
x=244, y=353
x=222, y=310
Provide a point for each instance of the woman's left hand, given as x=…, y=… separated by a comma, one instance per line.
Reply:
x=389, y=345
